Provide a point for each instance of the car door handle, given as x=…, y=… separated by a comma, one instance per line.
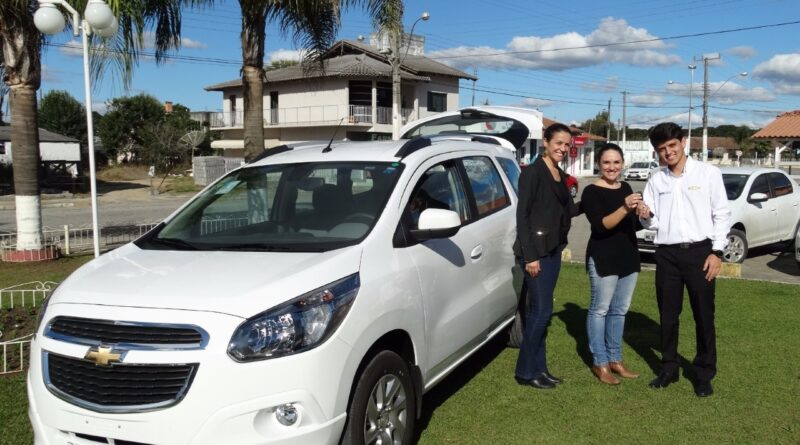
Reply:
x=476, y=253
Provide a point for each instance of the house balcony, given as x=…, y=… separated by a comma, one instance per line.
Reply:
x=318, y=115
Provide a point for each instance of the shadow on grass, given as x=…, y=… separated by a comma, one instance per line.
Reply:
x=642, y=334
x=109, y=186
x=458, y=378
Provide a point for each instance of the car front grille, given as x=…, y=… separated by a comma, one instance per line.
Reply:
x=141, y=335
x=121, y=387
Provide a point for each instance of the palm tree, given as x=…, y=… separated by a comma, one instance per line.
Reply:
x=314, y=24
x=20, y=51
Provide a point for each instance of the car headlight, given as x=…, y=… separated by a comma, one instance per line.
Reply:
x=43, y=309
x=295, y=326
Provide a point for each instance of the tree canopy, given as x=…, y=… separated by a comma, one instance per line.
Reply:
x=61, y=113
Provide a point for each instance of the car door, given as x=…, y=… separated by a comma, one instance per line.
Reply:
x=447, y=268
x=759, y=218
x=787, y=203
x=495, y=222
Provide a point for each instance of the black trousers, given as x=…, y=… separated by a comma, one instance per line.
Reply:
x=678, y=267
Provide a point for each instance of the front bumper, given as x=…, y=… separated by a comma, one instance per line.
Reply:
x=227, y=402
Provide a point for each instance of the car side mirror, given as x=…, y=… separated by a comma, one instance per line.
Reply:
x=758, y=197
x=436, y=223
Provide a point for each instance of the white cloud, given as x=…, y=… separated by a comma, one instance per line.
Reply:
x=722, y=92
x=100, y=107
x=536, y=103
x=549, y=53
x=73, y=48
x=743, y=52
x=284, y=54
x=783, y=71
x=150, y=42
x=611, y=85
x=646, y=100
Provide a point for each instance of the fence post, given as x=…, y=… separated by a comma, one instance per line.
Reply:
x=66, y=239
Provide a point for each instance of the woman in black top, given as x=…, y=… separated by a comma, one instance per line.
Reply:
x=612, y=260
x=544, y=215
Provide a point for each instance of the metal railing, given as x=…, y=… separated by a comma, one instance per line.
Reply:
x=71, y=240
x=310, y=115
x=12, y=354
x=26, y=294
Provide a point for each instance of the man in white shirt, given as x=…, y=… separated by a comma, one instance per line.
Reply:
x=686, y=204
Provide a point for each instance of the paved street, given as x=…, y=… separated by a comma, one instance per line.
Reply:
x=135, y=205
x=770, y=263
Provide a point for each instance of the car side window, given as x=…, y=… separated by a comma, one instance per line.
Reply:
x=511, y=170
x=438, y=188
x=760, y=185
x=487, y=186
x=780, y=184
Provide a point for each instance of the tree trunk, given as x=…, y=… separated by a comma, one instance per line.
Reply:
x=25, y=158
x=254, y=22
x=252, y=79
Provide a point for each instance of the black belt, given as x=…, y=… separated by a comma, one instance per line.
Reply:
x=705, y=242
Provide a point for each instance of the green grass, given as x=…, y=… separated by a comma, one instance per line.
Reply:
x=757, y=386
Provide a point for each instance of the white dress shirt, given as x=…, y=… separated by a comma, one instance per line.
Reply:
x=690, y=207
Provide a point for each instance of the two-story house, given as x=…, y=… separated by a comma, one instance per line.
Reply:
x=352, y=92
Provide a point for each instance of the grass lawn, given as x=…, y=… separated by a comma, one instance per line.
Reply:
x=757, y=386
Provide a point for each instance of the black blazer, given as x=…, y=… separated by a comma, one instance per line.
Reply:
x=541, y=218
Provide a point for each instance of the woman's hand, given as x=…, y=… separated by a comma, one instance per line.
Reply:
x=533, y=268
x=632, y=201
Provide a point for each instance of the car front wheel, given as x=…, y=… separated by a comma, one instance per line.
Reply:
x=736, y=251
x=383, y=408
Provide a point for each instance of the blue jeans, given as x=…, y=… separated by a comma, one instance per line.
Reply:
x=532, y=359
x=611, y=298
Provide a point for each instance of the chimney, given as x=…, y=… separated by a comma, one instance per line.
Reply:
x=168, y=107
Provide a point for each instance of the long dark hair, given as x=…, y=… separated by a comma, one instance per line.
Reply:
x=610, y=146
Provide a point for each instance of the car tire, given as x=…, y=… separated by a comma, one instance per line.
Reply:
x=573, y=190
x=517, y=329
x=369, y=419
x=736, y=251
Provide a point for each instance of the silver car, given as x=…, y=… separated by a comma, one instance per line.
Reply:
x=765, y=209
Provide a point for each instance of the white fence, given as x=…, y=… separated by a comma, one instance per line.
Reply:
x=80, y=239
x=12, y=354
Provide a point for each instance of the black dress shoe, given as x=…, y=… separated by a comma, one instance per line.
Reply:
x=703, y=389
x=538, y=382
x=663, y=380
x=551, y=378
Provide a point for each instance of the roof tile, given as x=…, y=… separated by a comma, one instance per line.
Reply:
x=786, y=125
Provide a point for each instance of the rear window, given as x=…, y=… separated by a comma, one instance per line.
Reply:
x=487, y=186
x=511, y=168
x=780, y=184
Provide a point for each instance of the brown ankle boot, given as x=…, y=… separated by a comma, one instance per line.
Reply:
x=603, y=373
x=620, y=369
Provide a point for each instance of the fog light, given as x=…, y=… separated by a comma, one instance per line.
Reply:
x=287, y=414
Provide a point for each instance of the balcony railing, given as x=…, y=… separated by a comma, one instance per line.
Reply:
x=310, y=116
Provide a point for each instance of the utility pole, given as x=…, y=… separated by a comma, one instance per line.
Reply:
x=394, y=61
x=474, y=73
x=705, y=58
x=624, y=115
x=608, y=119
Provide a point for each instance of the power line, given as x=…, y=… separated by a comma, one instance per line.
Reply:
x=630, y=42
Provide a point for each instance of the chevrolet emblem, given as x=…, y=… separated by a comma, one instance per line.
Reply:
x=103, y=356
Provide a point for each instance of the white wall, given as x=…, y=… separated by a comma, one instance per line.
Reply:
x=637, y=151
x=50, y=151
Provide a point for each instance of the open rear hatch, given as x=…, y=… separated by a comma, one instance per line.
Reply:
x=476, y=122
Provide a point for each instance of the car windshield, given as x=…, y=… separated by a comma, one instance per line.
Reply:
x=734, y=184
x=307, y=207
x=640, y=165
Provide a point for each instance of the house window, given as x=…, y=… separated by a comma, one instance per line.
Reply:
x=2, y=148
x=437, y=101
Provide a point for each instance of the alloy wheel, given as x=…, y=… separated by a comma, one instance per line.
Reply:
x=385, y=421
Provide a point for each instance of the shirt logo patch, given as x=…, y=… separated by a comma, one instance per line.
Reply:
x=694, y=188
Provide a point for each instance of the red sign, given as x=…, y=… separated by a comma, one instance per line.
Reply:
x=579, y=141
x=573, y=152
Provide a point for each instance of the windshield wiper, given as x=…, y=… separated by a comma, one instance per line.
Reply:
x=255, y=247
x=173, y=242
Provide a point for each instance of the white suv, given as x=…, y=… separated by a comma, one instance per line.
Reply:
x=309, y=297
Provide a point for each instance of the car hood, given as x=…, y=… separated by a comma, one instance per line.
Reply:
x=236, y=283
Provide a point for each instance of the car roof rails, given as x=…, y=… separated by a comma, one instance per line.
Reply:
x=485, y=140
x=270, y=152
x=413, y=145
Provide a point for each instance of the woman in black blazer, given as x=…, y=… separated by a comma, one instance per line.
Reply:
x=544, y=215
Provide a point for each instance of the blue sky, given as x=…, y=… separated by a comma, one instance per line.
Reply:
x=566, y=58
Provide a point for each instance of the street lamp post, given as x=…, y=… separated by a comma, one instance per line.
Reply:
x=395, y=61
x=706, y=98
x=98, y=18
x=691, y=84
